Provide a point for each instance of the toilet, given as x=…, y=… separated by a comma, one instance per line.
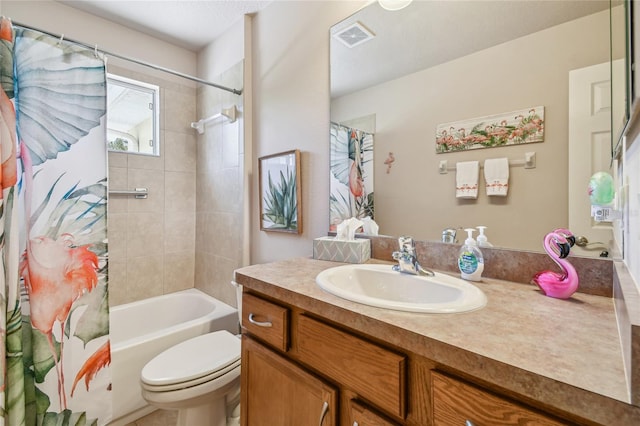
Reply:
x=199, y=377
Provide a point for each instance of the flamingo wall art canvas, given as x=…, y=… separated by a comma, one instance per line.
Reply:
x=517, y=127
x=56, y=319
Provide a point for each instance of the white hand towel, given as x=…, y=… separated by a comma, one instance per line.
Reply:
x=496, y=176
x=467, y=179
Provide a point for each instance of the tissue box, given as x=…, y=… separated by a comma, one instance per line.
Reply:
x=354, y=251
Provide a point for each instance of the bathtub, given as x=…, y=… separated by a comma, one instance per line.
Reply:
x=141, y=330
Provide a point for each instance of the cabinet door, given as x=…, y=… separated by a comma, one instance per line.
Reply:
x=276, y=391
x=360, y=415
x=458, y=403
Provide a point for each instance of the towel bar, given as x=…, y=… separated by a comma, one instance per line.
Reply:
x=529, y=162
x=137, y=192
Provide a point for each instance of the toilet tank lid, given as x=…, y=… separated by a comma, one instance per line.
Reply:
x=192, y=359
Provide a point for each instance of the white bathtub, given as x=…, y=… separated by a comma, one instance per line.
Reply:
x=141, y=330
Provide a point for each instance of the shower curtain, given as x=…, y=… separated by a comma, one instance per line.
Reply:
x=54, y=311
x=351, y=191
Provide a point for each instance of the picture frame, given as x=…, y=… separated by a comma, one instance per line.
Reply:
x=511, y=128
x=280, y=192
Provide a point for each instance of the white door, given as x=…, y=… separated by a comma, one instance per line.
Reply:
x=590, y=119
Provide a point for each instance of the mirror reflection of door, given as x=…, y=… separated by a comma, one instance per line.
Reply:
x=590, y=118
x=132, y=116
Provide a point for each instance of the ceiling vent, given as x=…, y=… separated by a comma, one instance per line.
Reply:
x=354, y=35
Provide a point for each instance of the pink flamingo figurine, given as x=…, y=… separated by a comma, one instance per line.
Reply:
x=571, y=239
x=557, y=244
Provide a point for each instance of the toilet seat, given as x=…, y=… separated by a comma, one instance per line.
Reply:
x=192, y=362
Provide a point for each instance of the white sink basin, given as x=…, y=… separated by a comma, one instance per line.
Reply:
x=379, y=285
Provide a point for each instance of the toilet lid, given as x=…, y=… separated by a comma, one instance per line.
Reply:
x=192, y=359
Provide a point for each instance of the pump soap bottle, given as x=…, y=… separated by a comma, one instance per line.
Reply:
x=482, y=238
x=470, y=260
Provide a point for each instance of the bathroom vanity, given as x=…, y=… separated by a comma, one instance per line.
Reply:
x=313, y=358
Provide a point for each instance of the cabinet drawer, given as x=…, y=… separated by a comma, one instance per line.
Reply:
x=360, y=415
x=456, y=402
x=375, y=373
x=265, y=320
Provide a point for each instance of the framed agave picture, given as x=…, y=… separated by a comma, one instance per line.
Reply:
x=280, y=192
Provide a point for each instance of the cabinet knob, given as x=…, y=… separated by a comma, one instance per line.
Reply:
x=468, y=423
x=259, y=323
x=323, y=413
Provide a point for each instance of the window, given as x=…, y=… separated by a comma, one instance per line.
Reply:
x=132, y=116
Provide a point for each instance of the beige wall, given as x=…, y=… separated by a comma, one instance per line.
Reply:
x=415, y=199
x=291, y=110
x=55, y=17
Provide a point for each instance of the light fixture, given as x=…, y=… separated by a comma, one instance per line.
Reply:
x=394, y=4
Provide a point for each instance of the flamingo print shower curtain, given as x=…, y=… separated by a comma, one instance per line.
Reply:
x=55, y=322
x=351, y=185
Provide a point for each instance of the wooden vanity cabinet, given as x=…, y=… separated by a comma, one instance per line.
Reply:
x=282, y=392
x=293, y=364
x=297, y=369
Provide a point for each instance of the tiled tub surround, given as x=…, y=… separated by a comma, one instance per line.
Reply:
x=188, y=232
x=219, y=195
x=152, y=240
x=565, y=355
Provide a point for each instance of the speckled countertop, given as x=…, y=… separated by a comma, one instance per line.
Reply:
x=563, y=353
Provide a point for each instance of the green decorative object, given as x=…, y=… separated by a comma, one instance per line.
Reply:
x=601, y=190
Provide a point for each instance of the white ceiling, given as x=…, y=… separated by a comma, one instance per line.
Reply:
x=429, y=33
x=191, y=24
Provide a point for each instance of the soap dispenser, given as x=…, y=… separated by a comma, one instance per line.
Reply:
x=470, y=260
x=482, y=238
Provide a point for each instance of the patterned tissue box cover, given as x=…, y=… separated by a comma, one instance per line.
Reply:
x=355, y=251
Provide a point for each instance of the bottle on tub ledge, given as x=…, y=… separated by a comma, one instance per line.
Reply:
x=470, y=260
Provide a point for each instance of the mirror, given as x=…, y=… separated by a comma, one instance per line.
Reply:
x=621, y=92
x=437, y=62
x=132, y=116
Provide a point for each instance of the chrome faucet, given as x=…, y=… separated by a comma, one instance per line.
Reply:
x=449, y=235
x=407, y=259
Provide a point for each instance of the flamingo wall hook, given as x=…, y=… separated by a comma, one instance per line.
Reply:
x=563, y=284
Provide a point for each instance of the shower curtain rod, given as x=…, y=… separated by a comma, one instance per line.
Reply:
x=135, y=61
